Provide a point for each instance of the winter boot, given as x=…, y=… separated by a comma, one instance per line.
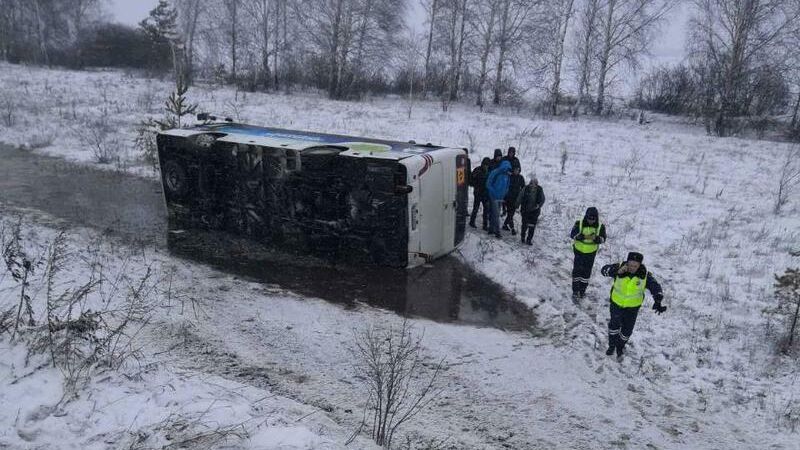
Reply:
x=513, y=232
x=610, y=350
x=472, y=224
x=620, y=351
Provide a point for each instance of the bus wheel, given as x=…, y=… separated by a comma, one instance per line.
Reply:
x=175, y=179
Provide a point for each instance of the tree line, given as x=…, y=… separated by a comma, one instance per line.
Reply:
x=743, y=54
x=743, y=64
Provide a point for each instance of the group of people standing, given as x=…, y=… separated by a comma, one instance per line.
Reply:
x=500, y=189
x=498, y=186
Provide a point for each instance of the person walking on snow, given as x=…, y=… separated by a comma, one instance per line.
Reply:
x=496, y=159
x=530, y=201
x=631, y=278
x=515, y=186
x=497, y=187
x=511, y=156
x=480, y=200
x=587, y=234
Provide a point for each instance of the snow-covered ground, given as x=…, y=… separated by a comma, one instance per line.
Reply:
x=703, y=375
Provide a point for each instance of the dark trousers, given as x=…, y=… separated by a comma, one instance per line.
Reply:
x=511, y=209
x=581, y=271
x=494, y=216
x=529, y=221
x=480, y=201
x=620, y=325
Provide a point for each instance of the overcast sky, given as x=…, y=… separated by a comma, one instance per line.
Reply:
x=131, y=12
x=668, y=47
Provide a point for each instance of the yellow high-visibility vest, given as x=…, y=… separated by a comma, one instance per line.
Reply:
x=628, y=292
x=587, y=245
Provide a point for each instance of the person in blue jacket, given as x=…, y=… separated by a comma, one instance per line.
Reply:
x=497, y=187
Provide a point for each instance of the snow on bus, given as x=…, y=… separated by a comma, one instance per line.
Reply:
x=342, y=198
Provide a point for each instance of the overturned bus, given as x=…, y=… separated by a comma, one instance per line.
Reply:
x=341, y=198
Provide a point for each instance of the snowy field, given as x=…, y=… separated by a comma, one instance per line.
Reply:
x=705, y=374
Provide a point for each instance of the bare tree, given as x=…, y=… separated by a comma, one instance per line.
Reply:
x=586, y=46
x=558, y=14
x=453, y=35
x=625, y=28
x=513, y=18
x=347, y=34
x=788, y=179
x=391, y=364
x=189, y=13
x=232, y=9
x=35, y=30
x=484, y=21
x=736, y=39
x=433, y=10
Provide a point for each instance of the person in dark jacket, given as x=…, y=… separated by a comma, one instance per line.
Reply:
x=631, y=278
x=511, y=156
x=497, y=188
x=587, y=234
x=530, y=201
x=496, y=159
x=480, y=199
x=515, y=186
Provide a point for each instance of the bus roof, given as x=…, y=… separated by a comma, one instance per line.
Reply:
x=301, y=140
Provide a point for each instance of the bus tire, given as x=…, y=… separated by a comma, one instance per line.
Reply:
x=176, y=181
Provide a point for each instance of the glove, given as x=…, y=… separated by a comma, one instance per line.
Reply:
x=579, y=237
x=658, y=308
x=598, y=240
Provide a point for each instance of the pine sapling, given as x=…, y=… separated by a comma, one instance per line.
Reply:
x=177, y=106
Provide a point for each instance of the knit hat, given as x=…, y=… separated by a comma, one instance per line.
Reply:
x=498, y=152
x=635, y=256
x=591, y=212
x=512, y=149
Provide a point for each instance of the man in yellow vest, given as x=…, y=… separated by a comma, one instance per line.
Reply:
x=631, y=278
x=587, y=235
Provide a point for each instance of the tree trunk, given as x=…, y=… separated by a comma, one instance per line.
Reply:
x=40, y=33
x=794, y=322
x=501, y=55
x=585, y=64
x=607, y=41
x=487, y=47
x=796, y=110
x=559, y=55
x=333, y=76
x=362, y=37
x=233, y=39
x=426, y=79
x=460, y=57
x=277, y=47
x=189, y=53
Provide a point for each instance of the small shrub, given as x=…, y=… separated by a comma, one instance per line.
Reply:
x=391, y=364
x=7, y=111
x=145, y=140
x=99, y=138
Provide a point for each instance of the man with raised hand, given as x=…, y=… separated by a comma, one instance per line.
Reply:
x=631, y=278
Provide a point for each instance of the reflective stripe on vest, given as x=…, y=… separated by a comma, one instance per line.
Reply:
x=628, y=292
x=587, y=245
